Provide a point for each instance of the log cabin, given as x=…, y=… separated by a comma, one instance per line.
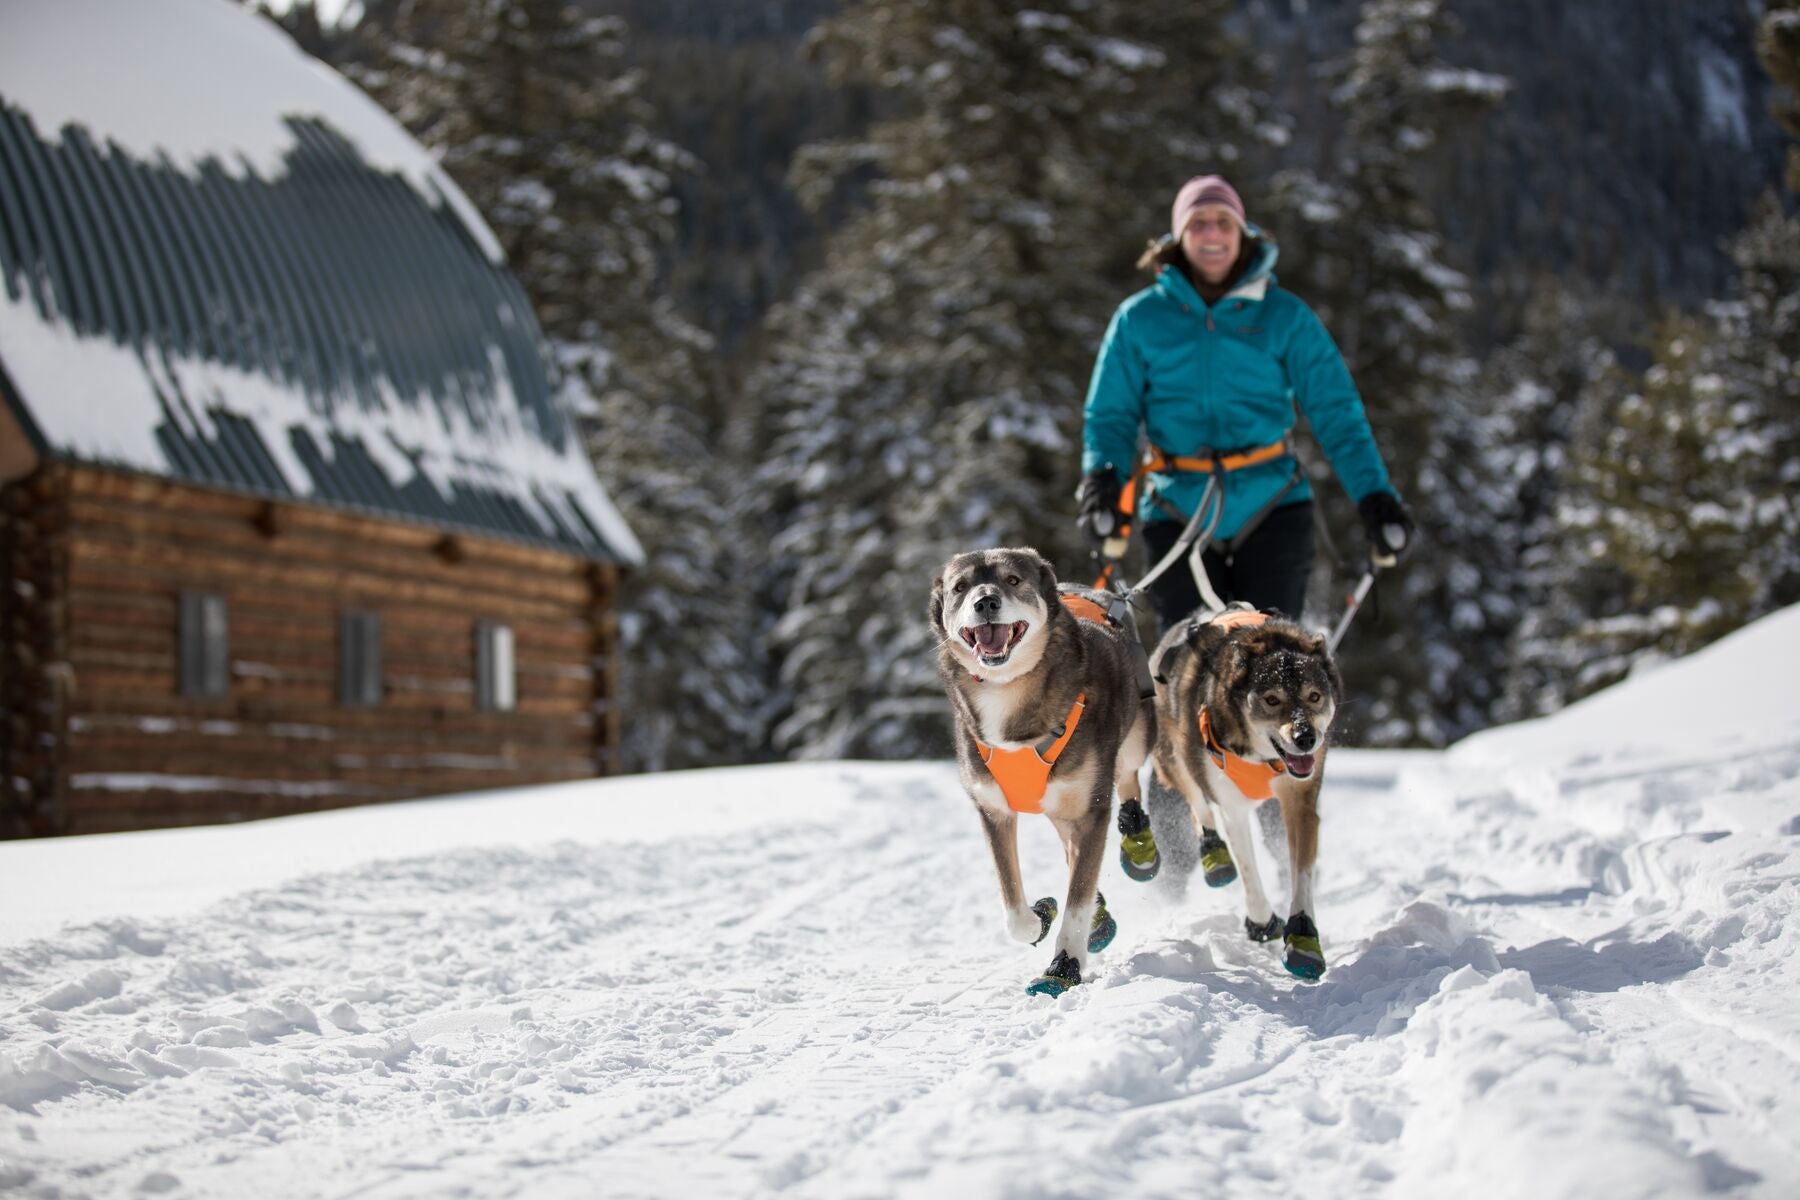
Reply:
x=292, y=515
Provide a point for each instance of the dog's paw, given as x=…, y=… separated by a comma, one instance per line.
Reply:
x=1104, y=929
x=1215, y=859
x=1063, y=973
x=1304, y=960
x=1271, y=929
x=1138, y=857
x=1032, y=925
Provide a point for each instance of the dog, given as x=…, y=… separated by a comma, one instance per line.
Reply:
x=1047, y=718
x=1244, y=704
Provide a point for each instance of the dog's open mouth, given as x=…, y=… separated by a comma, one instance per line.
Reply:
x=1300, y=766
x=993, y=643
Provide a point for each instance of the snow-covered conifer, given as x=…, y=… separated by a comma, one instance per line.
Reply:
x=1361, y=244
x=536, y=115
x=925, y=385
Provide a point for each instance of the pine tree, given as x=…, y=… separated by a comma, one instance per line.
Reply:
x=533, y=112
x=925, y=385
x=1680, y=515
x=1362, y=247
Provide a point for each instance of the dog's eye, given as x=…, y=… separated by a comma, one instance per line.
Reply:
x=1272, y=700
x=1013, y=581
x=1314, y=697
x=961, y=587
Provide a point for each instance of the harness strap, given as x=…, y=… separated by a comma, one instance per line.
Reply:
x=1156, y=460
x=1024, y=774
x=1254, y=779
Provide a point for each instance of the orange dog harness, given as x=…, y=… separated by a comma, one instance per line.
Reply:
x=1254, y=779
x=1024, y=774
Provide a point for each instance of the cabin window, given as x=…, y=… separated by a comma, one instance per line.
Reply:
x=495, y=679
x=204, y=668
x=359, y=659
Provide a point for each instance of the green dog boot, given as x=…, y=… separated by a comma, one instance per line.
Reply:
x=1137, y=845
x=1215, y=859
x=1104, y=928
x=1305, y=960
x=1063, y=974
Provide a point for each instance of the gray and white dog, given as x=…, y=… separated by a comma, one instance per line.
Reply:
x=1047, y=719
x=1244, y=703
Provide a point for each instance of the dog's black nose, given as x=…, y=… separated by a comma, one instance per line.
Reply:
x=987, y=605
x=1304, y=738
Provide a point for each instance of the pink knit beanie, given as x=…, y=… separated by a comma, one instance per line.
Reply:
x=1199, y=192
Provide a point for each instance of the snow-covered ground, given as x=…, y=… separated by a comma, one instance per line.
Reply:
x=1561, y=966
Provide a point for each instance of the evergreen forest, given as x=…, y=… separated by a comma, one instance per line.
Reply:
x=824, y=281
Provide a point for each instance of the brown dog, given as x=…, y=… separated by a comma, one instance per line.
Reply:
x=1243, y=705
x=1048, y=720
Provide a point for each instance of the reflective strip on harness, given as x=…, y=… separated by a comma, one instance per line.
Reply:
x=1024, y=774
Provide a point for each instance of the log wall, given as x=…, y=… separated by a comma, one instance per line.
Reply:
x=106, y=742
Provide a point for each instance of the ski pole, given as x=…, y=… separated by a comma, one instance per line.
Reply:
x=1394, y=535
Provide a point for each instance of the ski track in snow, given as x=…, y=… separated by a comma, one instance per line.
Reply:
x=1548, y=978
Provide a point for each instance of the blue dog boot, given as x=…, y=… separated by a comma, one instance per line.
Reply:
x=1046, y=911
x=1305, y=960
x=1104, y=928
x=1063, y=974
x=1215, y=859
x=1138, y=857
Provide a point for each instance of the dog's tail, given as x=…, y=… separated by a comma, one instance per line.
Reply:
x=1176, y=840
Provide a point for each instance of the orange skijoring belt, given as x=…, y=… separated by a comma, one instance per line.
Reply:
x=1254, y=779
x=1024, y=774
x=1157, y=460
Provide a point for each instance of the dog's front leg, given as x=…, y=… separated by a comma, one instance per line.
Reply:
x=1300, y=813
x=1260, y=921
x=1084, y=927
x=1023, y=923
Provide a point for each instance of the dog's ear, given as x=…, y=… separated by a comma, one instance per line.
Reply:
x=1319, y=646
x=936, y=607
x=1046, y=574
x=1234, y=665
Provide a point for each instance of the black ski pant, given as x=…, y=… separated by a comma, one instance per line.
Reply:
x=1269, y=570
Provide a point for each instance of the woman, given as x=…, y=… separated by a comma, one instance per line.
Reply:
x=1209, y=361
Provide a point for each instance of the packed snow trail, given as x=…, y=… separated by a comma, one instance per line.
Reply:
x=1560, y=966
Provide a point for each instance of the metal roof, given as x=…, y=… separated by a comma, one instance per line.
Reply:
x=330, y=334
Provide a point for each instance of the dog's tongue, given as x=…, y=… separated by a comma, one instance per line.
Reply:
x=992, y=639
x=1300, y=765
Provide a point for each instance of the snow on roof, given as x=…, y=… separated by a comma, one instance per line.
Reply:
x=223, y=264
x=198, y=79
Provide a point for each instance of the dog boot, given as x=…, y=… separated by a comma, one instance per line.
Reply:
x=1137, y=844
x=1266, y=932
x=1304, y=958
x=1046, y=911
x=1104, y=930
x=1215, y=859
x=1063, y=974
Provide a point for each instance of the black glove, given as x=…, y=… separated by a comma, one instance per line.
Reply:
x=1386, y=521
x=1097, y=502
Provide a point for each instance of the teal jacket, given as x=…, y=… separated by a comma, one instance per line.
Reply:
x=1224, y=378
